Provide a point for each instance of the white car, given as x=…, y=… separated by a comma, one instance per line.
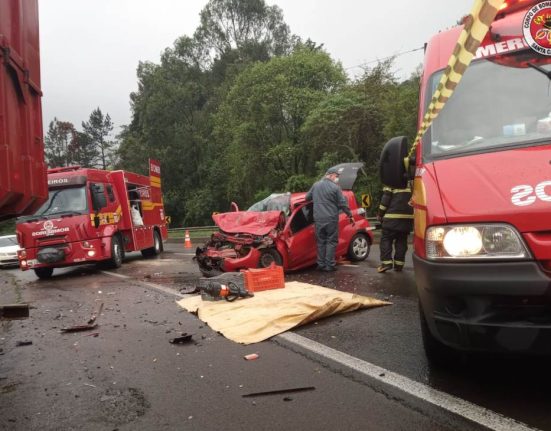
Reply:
x=8, y=251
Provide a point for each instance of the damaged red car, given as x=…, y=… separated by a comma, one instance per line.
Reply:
x=280, y=229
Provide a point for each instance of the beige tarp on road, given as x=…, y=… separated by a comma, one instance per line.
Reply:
x=275, y=311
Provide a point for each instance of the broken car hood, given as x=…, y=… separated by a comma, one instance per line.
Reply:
x=347, y=174
x=251, y=222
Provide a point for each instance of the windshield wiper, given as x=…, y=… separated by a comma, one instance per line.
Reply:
x=65, y=213
x=540, y=69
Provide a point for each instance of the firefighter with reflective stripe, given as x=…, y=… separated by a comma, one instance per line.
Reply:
x=396, y=216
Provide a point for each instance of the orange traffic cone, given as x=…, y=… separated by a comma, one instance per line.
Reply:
x=187, y=243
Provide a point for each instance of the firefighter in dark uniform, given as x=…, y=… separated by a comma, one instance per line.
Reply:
x=396, y=216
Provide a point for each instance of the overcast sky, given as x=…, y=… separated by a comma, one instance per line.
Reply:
x=90, y=48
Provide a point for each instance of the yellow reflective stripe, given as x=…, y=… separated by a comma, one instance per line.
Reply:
x=399, y=263
x=475, y=29
x=382, y=208
x=408, y=190
x=387, y=189
x=386, y=262
x=399, y=216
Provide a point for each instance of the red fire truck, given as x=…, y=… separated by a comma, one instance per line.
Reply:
x=482, y=193
x=22, y=168
x=93, y=215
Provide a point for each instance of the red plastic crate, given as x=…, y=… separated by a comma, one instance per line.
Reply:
x=257, y=280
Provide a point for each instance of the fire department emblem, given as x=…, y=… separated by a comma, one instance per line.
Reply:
x=48, y=225
x=536, y=28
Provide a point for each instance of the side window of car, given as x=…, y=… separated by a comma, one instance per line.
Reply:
x=304, y=217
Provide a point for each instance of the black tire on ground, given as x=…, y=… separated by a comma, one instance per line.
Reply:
x=359, y=247
x=157, y=246
x=438, y=354
x=117, y=253
x=269, y=256
x=44, y=273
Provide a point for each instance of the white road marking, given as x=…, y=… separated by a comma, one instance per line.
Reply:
x=114, y=274
x=458, y=406
x=147, y=284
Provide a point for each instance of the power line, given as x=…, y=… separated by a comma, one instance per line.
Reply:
x=399, y=54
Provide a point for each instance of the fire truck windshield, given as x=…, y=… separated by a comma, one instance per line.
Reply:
x=499, y=103
x=61, y=202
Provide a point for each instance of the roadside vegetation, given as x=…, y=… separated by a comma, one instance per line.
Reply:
x=243, y=108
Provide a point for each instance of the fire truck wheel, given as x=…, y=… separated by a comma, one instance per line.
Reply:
x=438, y=354
x=44, y=273
x=116, y=252
x=157, y=246
x=269, y=256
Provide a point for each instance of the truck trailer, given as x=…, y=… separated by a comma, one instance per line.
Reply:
x=23, y=185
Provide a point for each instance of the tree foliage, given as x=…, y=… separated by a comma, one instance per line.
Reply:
x=243, y=108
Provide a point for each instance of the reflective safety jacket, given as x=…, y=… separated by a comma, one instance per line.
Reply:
x=395, y=210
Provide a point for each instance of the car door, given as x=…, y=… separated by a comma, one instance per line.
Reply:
x=301, y=243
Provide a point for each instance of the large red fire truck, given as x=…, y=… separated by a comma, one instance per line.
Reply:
x=22, y=168
x=93, y=215
x=482, y=193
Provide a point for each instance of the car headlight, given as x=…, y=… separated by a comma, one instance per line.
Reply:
x=477, y=241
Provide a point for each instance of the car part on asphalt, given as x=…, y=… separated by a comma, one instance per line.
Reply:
x=14, y=311
x=279, y=391
x=91, y=324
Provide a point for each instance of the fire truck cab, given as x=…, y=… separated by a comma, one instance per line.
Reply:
x=93, y=215
x=482, y=196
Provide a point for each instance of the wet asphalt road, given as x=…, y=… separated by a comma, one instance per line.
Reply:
x=129, y=377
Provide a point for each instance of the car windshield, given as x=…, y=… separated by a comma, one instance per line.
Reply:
x=8, y=241
x=60, y=202
x=274, y=202
x=500, y=102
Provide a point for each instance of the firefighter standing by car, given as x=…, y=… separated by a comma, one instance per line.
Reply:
x=328, y=202
x=396, y=217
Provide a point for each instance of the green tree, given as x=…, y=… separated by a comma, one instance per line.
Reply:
x=59, y=143
x=97, y=131
x=260, y=121
x=83, y=151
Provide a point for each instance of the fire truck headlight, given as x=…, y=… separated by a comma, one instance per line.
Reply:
x=480, y=241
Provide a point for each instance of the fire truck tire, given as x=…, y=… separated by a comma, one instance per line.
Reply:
x=117, y=252
x=269, y=256
x=157, y=246
x=438, y=354
x=359, y=246
x=44, y=273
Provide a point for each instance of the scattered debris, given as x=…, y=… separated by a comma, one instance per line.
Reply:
x=14, y=311
x=185, y=338
x=91, y=324
x=287, y=399
x=280, y=391
x=89, y=384
x=251, y=357
x=23, y=343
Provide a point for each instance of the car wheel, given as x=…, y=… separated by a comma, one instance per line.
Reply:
x=117, y=252
x=437, y=353
x=44, y=273
x=157, y=246
x=359, y=247
x=269, y=256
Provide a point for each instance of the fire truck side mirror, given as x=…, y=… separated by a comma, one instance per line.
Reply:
x=392, y=169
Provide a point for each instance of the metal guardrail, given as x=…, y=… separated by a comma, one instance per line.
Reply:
x=372, y=220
